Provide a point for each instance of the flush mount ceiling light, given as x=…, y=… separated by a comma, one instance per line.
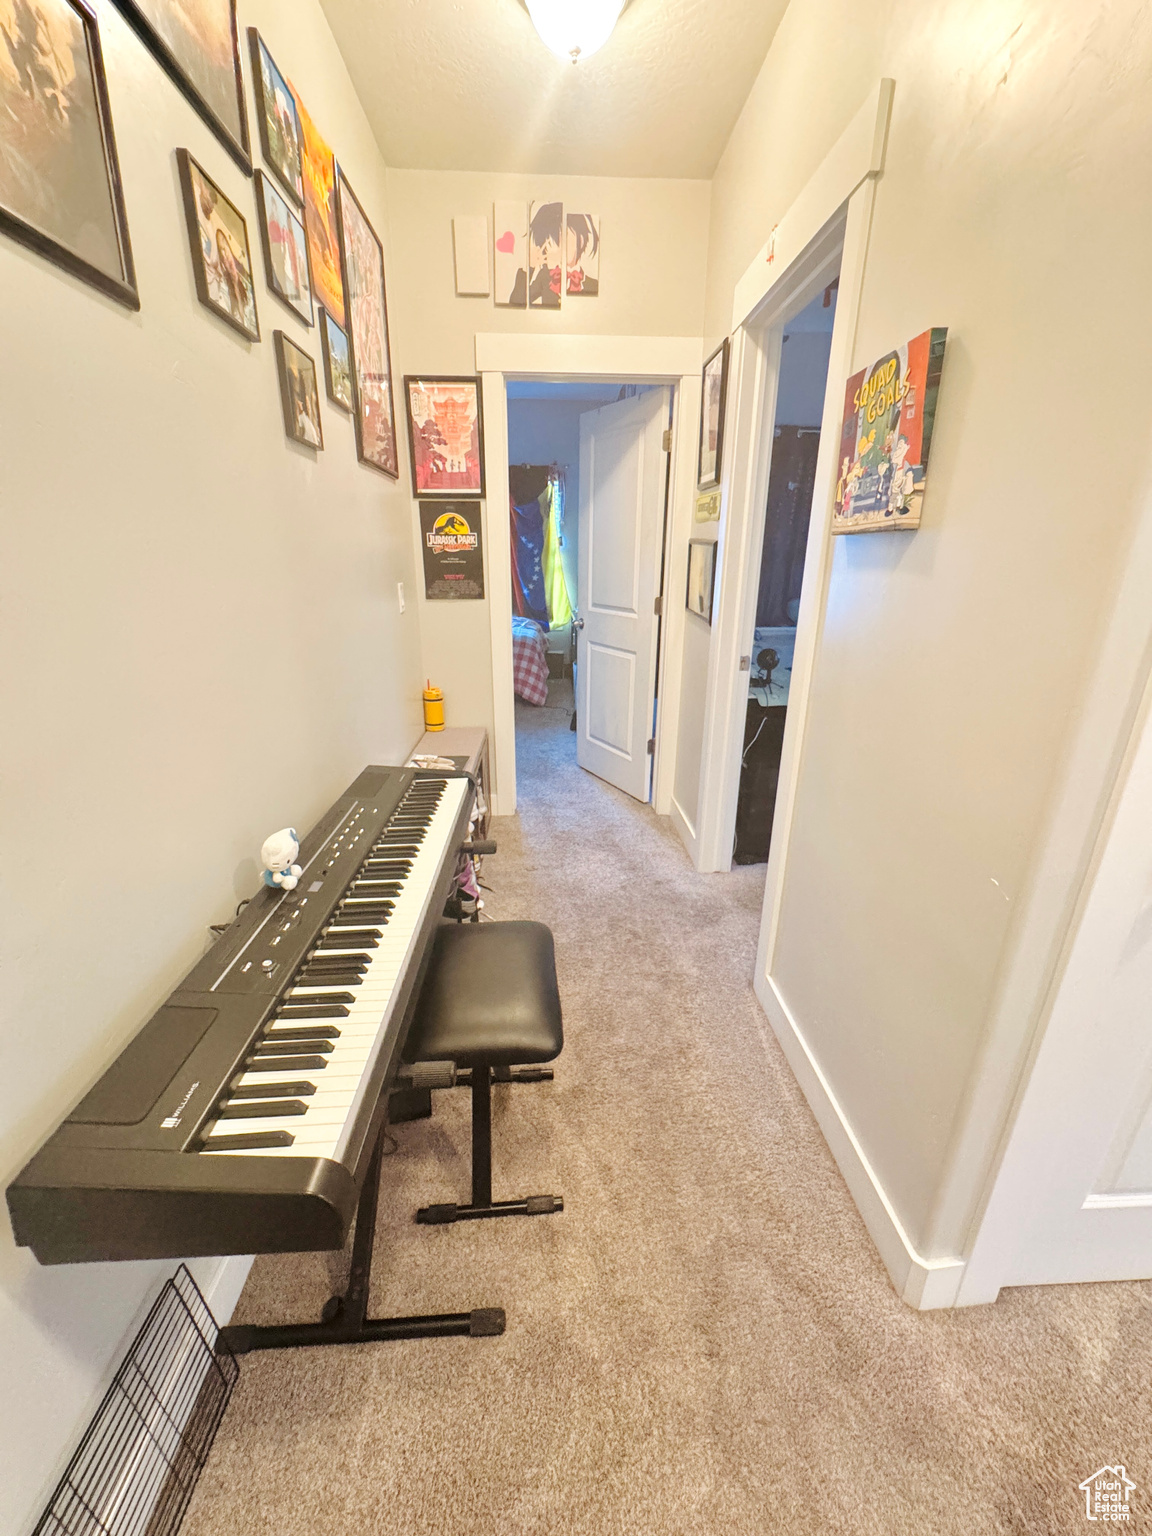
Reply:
x=574, y=29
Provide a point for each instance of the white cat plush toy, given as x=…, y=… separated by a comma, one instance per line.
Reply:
x=277, y=855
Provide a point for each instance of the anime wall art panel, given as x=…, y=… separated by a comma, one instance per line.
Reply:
x=582, y=253
x=445, y=433
x=320, y=218
x=59, y=177
x=195, y=41
x=368, y=336
x=545, y=255
x=889, y=412
x=510, y=254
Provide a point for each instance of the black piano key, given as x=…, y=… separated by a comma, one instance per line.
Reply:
x=344, y=926
x=321, y=965
x=381, y=888
x=303, y=1008
x=249, y=1141
x=285, y=1064
x=329, y=979
x=239, y=1090
x=395, y=850
x=288, y=1047
x=369, y=912
x=318, y=999
x=304, y=1032
x=263, y=1108
x=376, y=866
x=346, y=941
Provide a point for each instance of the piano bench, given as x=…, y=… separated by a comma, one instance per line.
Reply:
x=490, y=1003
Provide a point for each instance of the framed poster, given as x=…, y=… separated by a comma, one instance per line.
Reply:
x=285, y=249
x=715, y=380
x=446, y=436
x=221, y=257
x=278, y=120
x=889, y=414
x=453, y=556
x=371, y=359
x=321, y=219
x=337, y=364
x=299, y=392
x=196, y=43
x=60, y=191
x=701, y=577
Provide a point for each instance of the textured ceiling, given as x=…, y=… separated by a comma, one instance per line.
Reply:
x=468, y=85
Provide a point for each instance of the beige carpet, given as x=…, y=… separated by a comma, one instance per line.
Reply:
x=705, y=1340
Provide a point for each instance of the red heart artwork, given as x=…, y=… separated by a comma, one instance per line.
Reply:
x=506, y=242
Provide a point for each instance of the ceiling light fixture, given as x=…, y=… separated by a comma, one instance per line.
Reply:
x=574, y=29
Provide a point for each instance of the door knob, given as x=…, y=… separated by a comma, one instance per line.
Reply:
x=578, y=622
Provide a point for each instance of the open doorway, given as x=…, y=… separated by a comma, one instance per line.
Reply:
x=588, y=483
x=804, y=352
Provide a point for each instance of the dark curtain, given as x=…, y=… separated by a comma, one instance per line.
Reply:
x=790, y=486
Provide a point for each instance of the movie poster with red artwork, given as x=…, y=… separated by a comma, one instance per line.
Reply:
x=889, y=412
x=445, y=434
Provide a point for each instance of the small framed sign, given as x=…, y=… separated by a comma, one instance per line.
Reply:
x=701, y=577
x=453, y=553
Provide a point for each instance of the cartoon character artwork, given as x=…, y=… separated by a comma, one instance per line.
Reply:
x=277, y=856
x=889, y=414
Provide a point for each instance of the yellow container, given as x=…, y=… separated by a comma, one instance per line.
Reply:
x=433, y=708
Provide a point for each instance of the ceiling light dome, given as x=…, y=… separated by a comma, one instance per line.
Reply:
x=574, y=29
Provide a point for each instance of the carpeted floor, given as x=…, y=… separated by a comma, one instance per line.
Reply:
x=704, y=1341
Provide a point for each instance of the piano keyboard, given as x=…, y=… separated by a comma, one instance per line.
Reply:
x=301, y=1088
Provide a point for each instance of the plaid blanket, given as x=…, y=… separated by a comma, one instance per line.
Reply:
x=529, y=661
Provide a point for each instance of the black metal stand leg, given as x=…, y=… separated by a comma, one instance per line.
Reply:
x=345, y=1319
x=483, y=1205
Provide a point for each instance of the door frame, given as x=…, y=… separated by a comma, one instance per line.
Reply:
x=672, y=360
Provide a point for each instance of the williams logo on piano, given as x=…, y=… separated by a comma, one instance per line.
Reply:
x=170, y=1122
x=453, y=559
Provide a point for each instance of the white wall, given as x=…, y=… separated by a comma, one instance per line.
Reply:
x=202, y=643
x=655, y=239
x=923, y=902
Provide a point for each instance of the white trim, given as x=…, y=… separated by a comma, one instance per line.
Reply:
x=502, y=756
x=857, y=154
x=675, y=360
x=923, y=1283
x=560, y=356
x=685, y=828
x=222, y=1292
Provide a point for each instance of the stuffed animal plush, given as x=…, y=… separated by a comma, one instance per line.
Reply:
x=277, y=855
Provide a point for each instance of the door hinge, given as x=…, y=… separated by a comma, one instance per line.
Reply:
x=667, y=440
x=658, y=607
x=745, y=663
x=651, y=745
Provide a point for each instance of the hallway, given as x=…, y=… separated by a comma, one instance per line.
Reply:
x=705, y=1341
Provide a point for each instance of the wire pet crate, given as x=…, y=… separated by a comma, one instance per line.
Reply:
x=136, y=1467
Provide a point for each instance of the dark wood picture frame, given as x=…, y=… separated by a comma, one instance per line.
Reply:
x=238, y=148
x=448, y=493
x=187, y=163
x=256, y=47
x=283, y=343
x=122, y=289
x=327, y=325
x=704, y=482
x=344, y=193
x=696, y=552
x=264, y=185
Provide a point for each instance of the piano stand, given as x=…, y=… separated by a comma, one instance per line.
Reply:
x=345, y=1319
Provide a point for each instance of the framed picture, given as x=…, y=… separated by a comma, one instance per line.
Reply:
x=321, y=219
x=701, y=577
x=886, y=436
x=196, y=43
x=453, y=556
x=446, y=436
x=545, y=255
x=279, y=122
x=337, y=364
x=285, y=249
x=582, y=253
x=60, y=191
x=712, y=417
x=299, y=392
x=221, y=257
x=371, y=360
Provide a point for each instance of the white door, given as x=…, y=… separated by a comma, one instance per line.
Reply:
x=1072, y=1200
x=622, y=476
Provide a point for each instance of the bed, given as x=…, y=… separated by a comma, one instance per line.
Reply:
x=529, y=661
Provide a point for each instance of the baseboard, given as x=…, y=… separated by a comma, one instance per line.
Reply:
x=222, y=1292
x=923, y=1283
x=684, y=828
